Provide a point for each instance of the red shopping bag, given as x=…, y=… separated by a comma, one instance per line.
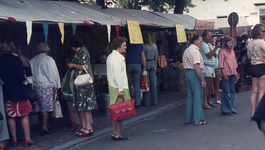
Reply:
x=121, y=110
x=144, y=84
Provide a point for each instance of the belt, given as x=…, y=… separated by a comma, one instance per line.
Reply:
x=149, y=59
x=133, y=62
x=209, y=65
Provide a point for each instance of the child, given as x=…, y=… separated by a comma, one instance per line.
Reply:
x=228, y=65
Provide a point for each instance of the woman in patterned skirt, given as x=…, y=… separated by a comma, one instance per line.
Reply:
x=16, y=97
x=84, y=97
x=46, y=81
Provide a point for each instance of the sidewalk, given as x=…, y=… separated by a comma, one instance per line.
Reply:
x=60, y=135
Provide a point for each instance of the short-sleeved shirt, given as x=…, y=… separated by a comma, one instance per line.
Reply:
x=205, y=50
x=256, y=49
x=134, y=52
x=192, y=56
x=227, y=61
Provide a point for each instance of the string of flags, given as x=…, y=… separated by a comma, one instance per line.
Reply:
x=45, y=26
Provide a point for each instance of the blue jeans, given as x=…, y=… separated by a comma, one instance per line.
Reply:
x=134, y=71
x=150, y=97
x=228, y=95
x=194, y=97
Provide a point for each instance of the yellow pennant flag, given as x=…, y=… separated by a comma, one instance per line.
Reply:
x=61, y=26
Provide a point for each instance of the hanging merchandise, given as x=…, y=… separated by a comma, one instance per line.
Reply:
x=74, y=28
x=61, y=26
x=117, y=27
x=29, y=30
x=45, y=30
x=108, y=30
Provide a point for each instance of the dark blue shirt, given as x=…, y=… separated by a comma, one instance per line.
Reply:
x=134, y=52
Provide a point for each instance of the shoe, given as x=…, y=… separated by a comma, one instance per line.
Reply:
x=212, y=104
x=84, y=134
x=72, y=129
x=121, y=138
x=45, y=132
x=80, y=132
x=113, y=136
x=226, y=113
x=137, y=106
x=218, y=102
x=207, y=107
x=234, y=112
x=201, y=123
x=14, y=143
x=27, y=143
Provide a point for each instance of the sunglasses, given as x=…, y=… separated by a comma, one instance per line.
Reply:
x=263, y=31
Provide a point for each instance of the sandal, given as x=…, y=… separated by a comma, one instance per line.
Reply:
x=81, y=131
x=120, y=138
x=207, y=107
x=201, y=123
x=113, y=136
x=218, y=102
x=212, y=104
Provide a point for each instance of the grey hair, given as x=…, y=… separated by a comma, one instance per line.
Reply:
x=43, y=48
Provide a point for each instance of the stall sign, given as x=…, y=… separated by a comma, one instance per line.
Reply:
x=181, y=34
x=134, y=30
x=203, y=25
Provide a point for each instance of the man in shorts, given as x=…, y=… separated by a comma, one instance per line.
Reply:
x=208, y=71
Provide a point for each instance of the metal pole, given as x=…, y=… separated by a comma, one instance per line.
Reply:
x=232, y=28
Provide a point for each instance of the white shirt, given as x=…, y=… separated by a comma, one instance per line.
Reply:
x=45, y=72
x=116, y=71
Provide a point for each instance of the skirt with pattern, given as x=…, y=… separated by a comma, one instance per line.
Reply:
x=45, y=102
x=18, y=108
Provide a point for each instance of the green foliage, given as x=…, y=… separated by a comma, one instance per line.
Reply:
x=188, y=4
x=154, y=5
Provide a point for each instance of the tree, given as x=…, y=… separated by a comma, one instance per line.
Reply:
x=158, y=5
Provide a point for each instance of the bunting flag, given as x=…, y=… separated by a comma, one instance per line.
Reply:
x=29, y=30
x=11, y=19
x=108, y=30
x=45, y=30
x=86, y=22
x=73, y=27
x=61, y=26
x=96, y=23
x=117, y=27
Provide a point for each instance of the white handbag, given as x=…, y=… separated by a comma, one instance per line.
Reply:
x=57, y=110
x=84, y=79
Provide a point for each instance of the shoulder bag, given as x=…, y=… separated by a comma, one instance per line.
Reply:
x=84, y=79
x=31, y=91
x=57, y=110
x=121, y=110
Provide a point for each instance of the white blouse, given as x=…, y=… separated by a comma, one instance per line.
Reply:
x=45, y=72
x=116, y=71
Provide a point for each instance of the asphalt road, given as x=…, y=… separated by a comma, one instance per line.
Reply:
x=167, y=131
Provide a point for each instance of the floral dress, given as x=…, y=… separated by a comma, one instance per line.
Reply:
x=84, y=97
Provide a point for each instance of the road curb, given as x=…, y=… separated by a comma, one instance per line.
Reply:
x=98, y=133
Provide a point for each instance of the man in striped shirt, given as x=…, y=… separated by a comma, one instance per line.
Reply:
x=193, y=63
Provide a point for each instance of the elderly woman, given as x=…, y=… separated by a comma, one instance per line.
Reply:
x=16, y=98
x=256, y=54
x=150, y=51
x=117, y=80
x=84, y=97
x=46, y=81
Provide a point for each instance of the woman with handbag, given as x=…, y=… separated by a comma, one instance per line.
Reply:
x=46, y=81
x=67, y=92
x=150, y=51
x=117, y=80
x=84, y=96
x=16, y=98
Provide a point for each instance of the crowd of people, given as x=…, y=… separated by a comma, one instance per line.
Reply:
x=205, y=61
x=15, y=68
